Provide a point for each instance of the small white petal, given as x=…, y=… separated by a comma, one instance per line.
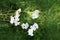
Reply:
x=16, y=19
x=18, y=11
x=11, y=19
x=34, y=16
x=36, y=25
x=33, y=28
x=30, y=32
x=25, y=26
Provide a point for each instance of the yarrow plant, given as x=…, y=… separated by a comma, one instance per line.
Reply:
x=15, y=20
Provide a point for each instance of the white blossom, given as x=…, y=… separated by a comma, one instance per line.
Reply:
x=32, y=29
x=15, y=19
x=34, y=26
x=30, y=32
x=35, y=14
x=25, y=25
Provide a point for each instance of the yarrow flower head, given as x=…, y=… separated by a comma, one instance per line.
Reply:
x=32, y=29
x=25, y=25
x=15, y=19
x=35, y=14
x=30, y=32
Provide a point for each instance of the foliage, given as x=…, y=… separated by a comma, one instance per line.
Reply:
x=49, y=19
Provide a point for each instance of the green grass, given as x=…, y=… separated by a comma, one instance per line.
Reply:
x=49, y=19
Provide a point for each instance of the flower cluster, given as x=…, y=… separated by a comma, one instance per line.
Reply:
x=32, y=29
x=15, y=19
x=16, y=22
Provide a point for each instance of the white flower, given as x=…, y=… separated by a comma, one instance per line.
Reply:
x=35, y=14
x=17, y=12
x=25, y=26
x=34, y=26
x=15, y=19
x=30, y=32
x=11, y=19
x=32, y=29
